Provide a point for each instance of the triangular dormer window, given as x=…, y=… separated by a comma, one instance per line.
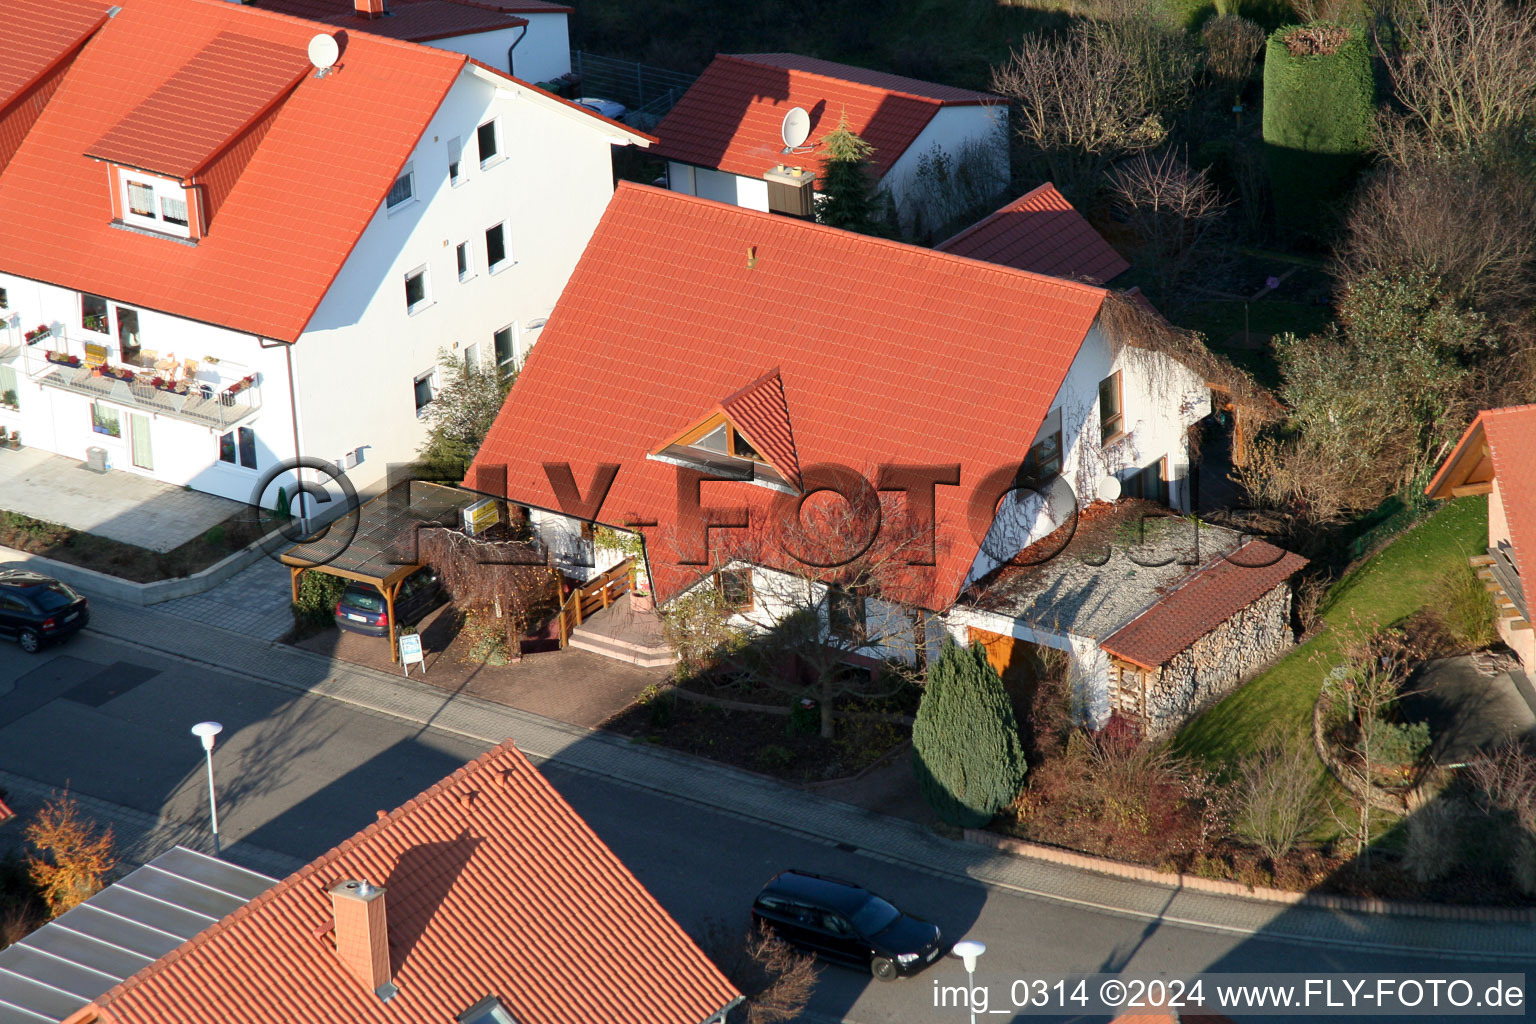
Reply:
x=176, y=156
x=747, y=436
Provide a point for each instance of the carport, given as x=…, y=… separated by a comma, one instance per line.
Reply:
x=382, y=549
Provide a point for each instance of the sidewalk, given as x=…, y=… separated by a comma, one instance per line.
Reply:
x=762, y=800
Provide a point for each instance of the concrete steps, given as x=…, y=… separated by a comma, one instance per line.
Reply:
x=644, y=656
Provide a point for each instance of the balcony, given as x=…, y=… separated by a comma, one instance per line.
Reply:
x=215, y=395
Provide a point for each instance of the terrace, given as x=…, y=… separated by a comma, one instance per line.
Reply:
x=209, y=392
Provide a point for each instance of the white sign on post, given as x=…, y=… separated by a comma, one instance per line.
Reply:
x=410, y=654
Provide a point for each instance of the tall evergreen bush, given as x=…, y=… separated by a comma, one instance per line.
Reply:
x=1319, y=106
x=965, y=741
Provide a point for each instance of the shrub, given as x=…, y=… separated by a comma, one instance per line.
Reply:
x=74, y=861
x=776, y=979
x=1319, y=112
x=1396, y=744
x=318, y=594
x=1433, y=840
x=697, y=625
x=1275, y=797
x=1232, y=44
x=1464, y=605
x=965, y=741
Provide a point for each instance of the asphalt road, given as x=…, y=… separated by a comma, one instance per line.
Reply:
x=299, y=773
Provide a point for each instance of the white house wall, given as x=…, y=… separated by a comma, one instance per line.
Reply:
x=949, y=131
x=542, y=53
x=183, y=453
x=1160, y=400
x=358, y=361
x=736, y=189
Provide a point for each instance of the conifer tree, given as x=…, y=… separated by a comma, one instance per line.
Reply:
x=965, y=741
x=848, y=198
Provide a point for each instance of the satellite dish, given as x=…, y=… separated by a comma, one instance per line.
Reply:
x=796, y=128
x=1108, y=489
x=323, y=52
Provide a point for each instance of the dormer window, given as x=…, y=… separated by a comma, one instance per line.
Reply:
x=748, y=436
x=158, y=204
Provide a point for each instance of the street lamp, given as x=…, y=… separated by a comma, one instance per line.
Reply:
x=206, y=731
x=969, y=950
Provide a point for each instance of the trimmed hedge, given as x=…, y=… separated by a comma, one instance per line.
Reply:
x=1318, y=113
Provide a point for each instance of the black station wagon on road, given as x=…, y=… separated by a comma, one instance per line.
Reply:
x=37, y=609
x=847, y=924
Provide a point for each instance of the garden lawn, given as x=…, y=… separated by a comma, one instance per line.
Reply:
x=1386, y=589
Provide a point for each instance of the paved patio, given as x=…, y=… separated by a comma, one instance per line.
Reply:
x=118, y=505
x=1468, y=709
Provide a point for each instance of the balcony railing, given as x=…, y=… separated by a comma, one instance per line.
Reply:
x=208, y=397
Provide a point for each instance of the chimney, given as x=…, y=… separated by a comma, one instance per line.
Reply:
x=362, y=933
x=791, y=191
x=368, y=8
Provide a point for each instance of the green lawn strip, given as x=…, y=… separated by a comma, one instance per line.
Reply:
x=1387, y=588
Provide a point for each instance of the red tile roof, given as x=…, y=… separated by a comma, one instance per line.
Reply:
x=759, y=409
x=40, y=33
x=1203, y=601
x=298, y=208
x=202, y=107
x=418, y=21
x=1040, y=231
x=949, y=95
x=730, y=118
x=888, y=353
x=1510, y=436
x=495, y=886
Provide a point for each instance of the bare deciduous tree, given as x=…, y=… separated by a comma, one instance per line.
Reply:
x=1082, y=101
x=1481, y=247
x=1176, y=212
x=819, y=597
x=776, y=979
x=1463, y=69
x=504, y=578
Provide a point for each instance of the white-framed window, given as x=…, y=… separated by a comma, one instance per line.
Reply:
x=471, y=358
x=156, y=204
x=455, y=161
x=173, y=211
x=461, y=254
x=496, y=248
x=505, y=345
x=488, y=140
x=238, y=447
x=418, y=292
x=402, y=191
x=423, y=386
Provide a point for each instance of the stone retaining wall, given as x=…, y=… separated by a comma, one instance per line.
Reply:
x=100, y=584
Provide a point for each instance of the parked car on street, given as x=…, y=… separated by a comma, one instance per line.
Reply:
x=844, y=923
x=37, y=609
x=612, y=109
x=362, y=609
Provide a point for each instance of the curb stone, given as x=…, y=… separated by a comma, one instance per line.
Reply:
x=1221, y=887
